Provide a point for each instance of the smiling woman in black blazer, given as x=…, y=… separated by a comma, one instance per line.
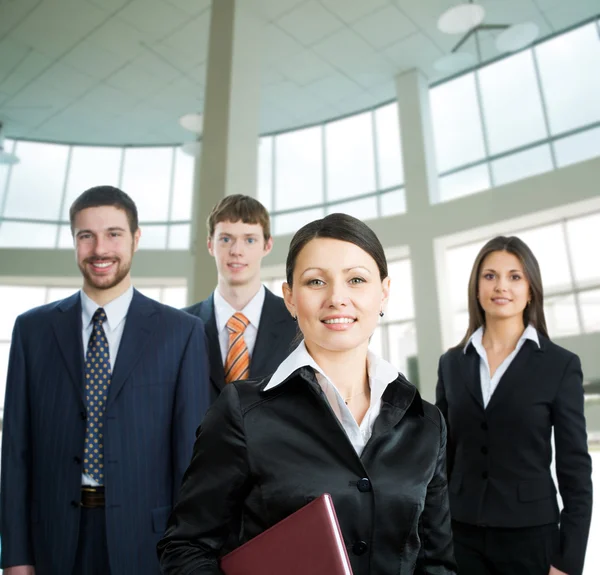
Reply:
x=503, y=390
x=334, y=418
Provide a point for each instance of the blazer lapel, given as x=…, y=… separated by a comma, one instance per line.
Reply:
x=68, y=331
x=138, y=328
x=267, y=338
x=207, y=315
x=469, y=366
x=521, y=370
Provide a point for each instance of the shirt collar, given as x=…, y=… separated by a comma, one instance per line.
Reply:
x=116, y=310
x=252, y=311
x=476, y=338
x=381, y=373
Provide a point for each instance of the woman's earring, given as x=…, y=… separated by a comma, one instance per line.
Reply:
x=381, y=314
x=294, y=318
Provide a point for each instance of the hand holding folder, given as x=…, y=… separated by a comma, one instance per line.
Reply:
x=307, y=541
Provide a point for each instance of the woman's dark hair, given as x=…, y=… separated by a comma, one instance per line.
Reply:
x=533, y=314
x=337, y=227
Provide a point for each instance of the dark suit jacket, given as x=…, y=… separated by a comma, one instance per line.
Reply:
x=499, y=457
x=274, y=341
x=157, y=397
x=261, y=455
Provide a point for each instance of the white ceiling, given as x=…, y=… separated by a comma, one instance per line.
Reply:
x=124, y=71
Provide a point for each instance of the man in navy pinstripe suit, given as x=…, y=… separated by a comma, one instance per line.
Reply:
x=104, y=393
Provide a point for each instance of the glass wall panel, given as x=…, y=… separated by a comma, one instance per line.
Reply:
x=350, y=156
x=376, y=341
x=27, y=235
x=569, y=66
x=175, y=296
x=153, y=237
x=15, y=300
x=389, y=151
x=548, y=245
x=183, y=187
x=456, y=122
x=401, y=302
x=58, y=293
x=179, y=236
x=590, y=310
x=512, y=104
x=147, y=179
x=522, y=165
x=393, y=203
x=299, y=169
x=65, y=239
x=291, y=223
x=464, y=183
x=584, y=240
x=365, y=209
x=37, y=182
x=90, y=166
x=402, y=345
x=459, y=262
x=577, y=148
x=265, y=172
x=561, y=316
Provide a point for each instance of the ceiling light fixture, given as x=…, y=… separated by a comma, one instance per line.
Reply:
x=191, y=149
x=461, y=18
x=192, y=122
x=517, y=37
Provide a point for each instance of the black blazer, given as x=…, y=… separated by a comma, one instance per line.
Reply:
x=261, y=455
x=274, y=341
x=499, y=457
x=158, y=394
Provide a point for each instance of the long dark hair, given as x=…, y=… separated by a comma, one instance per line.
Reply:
x=337, y=227
x=533, y=314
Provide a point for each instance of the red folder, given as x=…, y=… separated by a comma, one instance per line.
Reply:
x=308, y=541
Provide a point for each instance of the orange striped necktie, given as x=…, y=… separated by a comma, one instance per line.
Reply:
x=237, y=363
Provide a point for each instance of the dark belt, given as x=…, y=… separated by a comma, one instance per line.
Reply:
x=92, y=497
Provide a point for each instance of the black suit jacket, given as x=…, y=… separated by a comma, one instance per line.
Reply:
x=274, y=341
x=157, y=396
x=261, y=455
x=499, y=457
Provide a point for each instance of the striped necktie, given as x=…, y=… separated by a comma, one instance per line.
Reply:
x=237, y=363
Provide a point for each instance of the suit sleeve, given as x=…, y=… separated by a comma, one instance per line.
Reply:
x=191, y=401
x=442, y=404
x=211, y=497
x=573, y=470
x=16, y=461
x=436, y=556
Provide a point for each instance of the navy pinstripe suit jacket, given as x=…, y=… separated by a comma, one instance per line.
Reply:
x=158, y=394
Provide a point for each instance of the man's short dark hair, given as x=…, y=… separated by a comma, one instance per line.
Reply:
x=105, y=196
x=239, y=207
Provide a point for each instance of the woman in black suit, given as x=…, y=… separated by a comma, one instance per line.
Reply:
x=333, y=418
x=503, y=390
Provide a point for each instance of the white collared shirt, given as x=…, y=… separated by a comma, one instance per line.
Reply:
x=489, y=384
x=116, y=312
x=224, y=311
x=381, y=374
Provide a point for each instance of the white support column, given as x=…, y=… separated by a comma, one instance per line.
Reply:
x=229, y=158
x=420, y=177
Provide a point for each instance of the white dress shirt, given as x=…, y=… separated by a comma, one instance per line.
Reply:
x=224, y=311
x=116, y=312
x=488, y=383
x=380, y=372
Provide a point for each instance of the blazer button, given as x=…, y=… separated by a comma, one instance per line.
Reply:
x=484, y=450
x=77, y=460
x=359, y=548
x=484, y=426
x=484, y=475
x=363, y=485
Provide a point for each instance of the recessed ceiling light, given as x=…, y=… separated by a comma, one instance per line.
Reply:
x=454, y=62
x=461, y=18
x=517, y=37
x=192, y=122
x=191, y=149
